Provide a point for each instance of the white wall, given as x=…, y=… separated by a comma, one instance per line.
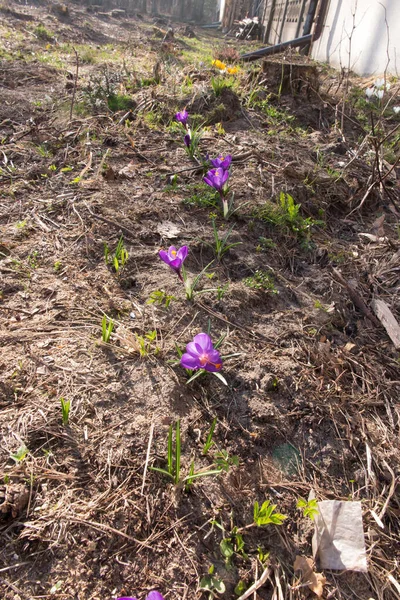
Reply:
x=369, y=39
x=221, y=9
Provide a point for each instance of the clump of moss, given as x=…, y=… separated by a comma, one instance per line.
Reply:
x=116, y=102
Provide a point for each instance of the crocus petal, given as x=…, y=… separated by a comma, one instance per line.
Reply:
x=204, y=341
x=208, y=181
x=225, y=177
x=221, y=162
x=155, y=596
x=174, y=258
x=172, y=252
x=164, y=256
x=188, y=140
x=213, y=368
x=226, y=162
x=182, y=117
x=189, y=362
x=182, y=253
x=175, y=264
x=214, y=356
x=194, y=349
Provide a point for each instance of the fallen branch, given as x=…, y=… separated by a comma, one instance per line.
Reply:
x=356, y=298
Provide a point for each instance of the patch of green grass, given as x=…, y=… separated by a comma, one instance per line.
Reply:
x=42, y=33
x=118, y=102
x=221, y=83
x=286, y=215
x=88, y=56
x=153, y=119
x=53, y=59
x=201, y=196
x=261, y=280
x=198, y=52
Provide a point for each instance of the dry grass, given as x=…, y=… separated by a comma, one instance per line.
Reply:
x=83, y=511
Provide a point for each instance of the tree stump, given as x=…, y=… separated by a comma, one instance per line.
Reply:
x=290, y=75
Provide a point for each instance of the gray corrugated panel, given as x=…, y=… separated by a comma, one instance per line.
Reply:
x=284, y=19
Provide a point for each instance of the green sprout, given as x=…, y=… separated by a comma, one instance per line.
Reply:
x=221, y=245
x=65, y=408
x=266, y=514
x=209, y=441
x=119, y=257
x=309, y=508
x=20, y=454
x=107, y=327
x=173, y=470
x=224, y=461
x=160, y=297
x=219, y=84
x=212, y=584
x=145, y=342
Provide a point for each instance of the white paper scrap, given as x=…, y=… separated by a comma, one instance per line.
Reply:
x=338, y=542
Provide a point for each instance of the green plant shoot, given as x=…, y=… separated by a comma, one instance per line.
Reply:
x=309, y=508
x=65, y=408
x=209, y=441
x=107, y=327
x=266, y=514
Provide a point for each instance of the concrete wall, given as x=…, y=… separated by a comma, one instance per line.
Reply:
x=369, y=41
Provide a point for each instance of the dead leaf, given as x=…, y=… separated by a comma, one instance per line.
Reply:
x=315, y=581
x=129, y=171
x=109, y=174
x=349, y=347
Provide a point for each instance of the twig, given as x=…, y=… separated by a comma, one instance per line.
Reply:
x=103, y=527
x=9, y=568
x=125, y=230
x=197, y=169
x=75, y=85
x=367, y=193
x=256, y=584
x=356, y=298
x=391, y=490
x=147, y=456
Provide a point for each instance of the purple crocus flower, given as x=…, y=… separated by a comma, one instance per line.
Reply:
x=222, y=162
x=174, y=258
x=151, y=596
x=217, y=178
x=187, y=139
x=182, y=117
x=201, y=354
